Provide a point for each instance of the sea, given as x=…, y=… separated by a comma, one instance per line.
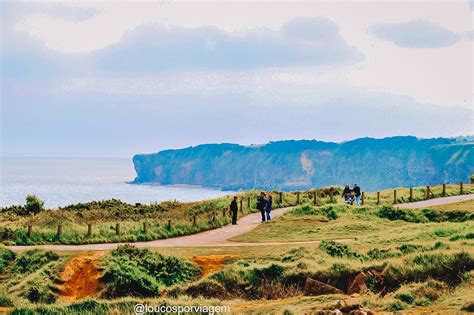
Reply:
x=64, y=181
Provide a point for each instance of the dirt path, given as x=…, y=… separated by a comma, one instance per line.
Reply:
x=221, y=236
x=80, y=276
x=435, y=202
x=211, y=238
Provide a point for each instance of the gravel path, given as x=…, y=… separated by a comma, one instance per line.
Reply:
x=435, y=202
x=220, y=236
x=216, y=237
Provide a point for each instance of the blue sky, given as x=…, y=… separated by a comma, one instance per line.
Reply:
x=105, y=79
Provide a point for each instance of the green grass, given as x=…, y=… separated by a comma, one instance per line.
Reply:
x=103, y=215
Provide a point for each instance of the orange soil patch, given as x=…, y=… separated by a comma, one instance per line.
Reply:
x=80, y=276
x=212, y=263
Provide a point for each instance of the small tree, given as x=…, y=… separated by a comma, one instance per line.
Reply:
x=34, y=205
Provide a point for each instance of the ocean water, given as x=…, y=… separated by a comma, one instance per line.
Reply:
x=64, y=181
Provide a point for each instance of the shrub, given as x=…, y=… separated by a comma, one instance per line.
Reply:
x=40, y=293
x=449, y=268
x=273, y=290
x=304, y=210
x=6, y=257
x=33, y=205
x=335, y=249
x=406, y=297
x=395, y=306
x=425, y=215
x=139, y=272
x=388, y=212
x=379, y=254
x=31, y=260
x=207, y=288
x=5, y=301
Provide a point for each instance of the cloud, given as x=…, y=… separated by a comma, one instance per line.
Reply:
x=415, y=34
x=301, y=42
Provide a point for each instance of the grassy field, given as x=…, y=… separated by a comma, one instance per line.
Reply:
x=145, y=222
x=417, y=260
x=162, y=220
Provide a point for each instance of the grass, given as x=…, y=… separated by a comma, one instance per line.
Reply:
x=104, y=215
x=129, y=271
x=423, y=264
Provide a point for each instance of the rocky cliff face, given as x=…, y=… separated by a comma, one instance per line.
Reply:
x=372, y=163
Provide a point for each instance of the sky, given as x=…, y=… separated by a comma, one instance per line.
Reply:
x=120, y=78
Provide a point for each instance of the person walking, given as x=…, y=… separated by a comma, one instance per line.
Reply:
x=268, y=207
x=261, y=203
x=347, y=195
x=356, y=191
x=234, y=209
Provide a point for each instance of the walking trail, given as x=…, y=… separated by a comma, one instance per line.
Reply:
x=436, y=201
x=221, y=236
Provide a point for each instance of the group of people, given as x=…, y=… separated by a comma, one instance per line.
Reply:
x=264, y=204
x=351, y=195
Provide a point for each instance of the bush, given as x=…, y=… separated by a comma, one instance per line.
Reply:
x=388, y=212
x=449, y=268
x=31, y=260
x=395, y=306
x=379, y=254
x=338, y=250
x=304, y=210
x=406, y=297
x=33, y=205
x=40, y=293
x=6, y=257
x=139, y=272
x=5, y=301
x=425, y=215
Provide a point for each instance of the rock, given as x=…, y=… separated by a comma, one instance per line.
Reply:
x=349, y=305
x=358, y=285
x=315, y=287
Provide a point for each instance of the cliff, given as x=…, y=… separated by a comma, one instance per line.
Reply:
x=300, y=164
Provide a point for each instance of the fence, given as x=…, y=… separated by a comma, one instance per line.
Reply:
x=211, y=216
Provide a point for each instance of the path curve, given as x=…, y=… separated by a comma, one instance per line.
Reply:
x=211, y=238
x=435, y=202
x=221, y=236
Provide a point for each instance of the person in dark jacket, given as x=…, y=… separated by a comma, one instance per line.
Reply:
x=347, y=195
x=234, y=209
x=268, y=207
x=356, y=191
x=261, y=203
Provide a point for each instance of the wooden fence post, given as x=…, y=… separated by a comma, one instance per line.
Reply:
x=427, y=192
x=60, y=230
x=169, y=223
x=362, y=198
x=281, y=198
x=248, y=203
x=89, y=229
x=331, y=197
x=117, y=228
x=30, y=229
x=378, y=197
x=411, y=194
x=223, y=211
x=241, y=205
x=315, y=197
x=144, y=227
x=194, y=220
x=297, y=197
x=461, y=188
x=444, y=190
x=394, y=196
